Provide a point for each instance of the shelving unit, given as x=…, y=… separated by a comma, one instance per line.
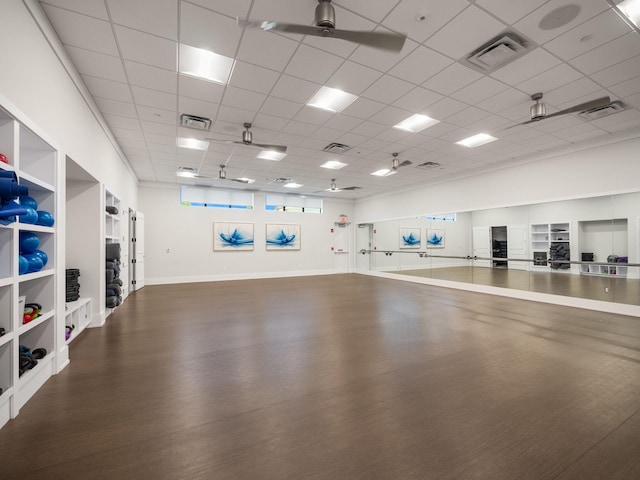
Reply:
x=77, y=314
x=116, y=227
x=550, y=241
x=34, y=161
x=604, y=270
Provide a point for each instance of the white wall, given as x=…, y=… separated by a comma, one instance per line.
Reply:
x=179, y=240
x=34, y=81
x=598, y=170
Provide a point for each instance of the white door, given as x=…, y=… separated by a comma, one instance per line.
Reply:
x=364, y=239
x=137, y=251
x=341, y=247
x=517, y=246
x=482, y=246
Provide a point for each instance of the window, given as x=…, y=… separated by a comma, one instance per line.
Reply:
x=447, y=217
x=292, y=203
x=209, y=197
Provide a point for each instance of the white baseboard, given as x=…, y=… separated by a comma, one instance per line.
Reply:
x=236, y=276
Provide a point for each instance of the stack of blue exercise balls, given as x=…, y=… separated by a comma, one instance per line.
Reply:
x=32, y=259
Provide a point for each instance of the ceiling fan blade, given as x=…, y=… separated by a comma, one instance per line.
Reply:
x=268, y=25
x=392, y=42
x=405, y=163
x=597, y=103
x=350, y=188
x=277, y=148
x=239, y=180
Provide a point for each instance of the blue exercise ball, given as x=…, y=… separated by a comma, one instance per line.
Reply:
x=29, y=242
x=45, y=219
x=35, y=262
x=31, y=216
x=23, y=265
x=43, y=256
x=27, y=201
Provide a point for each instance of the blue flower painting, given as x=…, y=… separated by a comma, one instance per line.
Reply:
x=410, y=237
x=283, y=237
x=435, y=238
x=233, y=236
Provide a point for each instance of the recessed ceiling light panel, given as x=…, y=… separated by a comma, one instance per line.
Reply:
x=477, y=140
x=205, y=64
x=187, y=172
x=416, y=123
x=631, y=10
x=331, y=99
x=383, y=172
x=292, y=185
x=271, y=155
x=334, y=165
x=192, y=143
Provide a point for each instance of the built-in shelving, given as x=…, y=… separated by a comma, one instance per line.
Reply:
x=551, y=241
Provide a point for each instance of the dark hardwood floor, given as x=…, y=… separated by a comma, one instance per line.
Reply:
x=337, y=377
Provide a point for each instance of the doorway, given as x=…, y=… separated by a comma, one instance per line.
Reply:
x=499, y=246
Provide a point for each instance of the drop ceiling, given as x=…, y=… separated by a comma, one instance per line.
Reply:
x=126, y=52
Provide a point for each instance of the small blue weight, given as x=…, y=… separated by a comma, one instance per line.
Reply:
x=45, y=219
x=35, y=262
x=23, y=265
x=29, y=242
x=31, y=216
x=27, y=201
x=43, y=256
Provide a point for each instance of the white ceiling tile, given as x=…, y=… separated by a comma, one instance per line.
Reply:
x=352, y=139
x=97, y=64
x=369, y=129
x=280, y=108
x=490, y=124
x=241, y=98
x=211, y=31
x=157, y=115
x=452, y=78
x=373, y=11
x=403, y=17
x=151, y=77
x=479, y=90
x=631, y=117
x=148, y=49
x=618, y=50
x=121, y=133
x=327, y=134
x=300, y=128
x=314, y=116
x=572, y=91
x=390, y=116
x=294, y=89
x=510, y=11
x=193, y=106
x=467, y=116
x=363, y=108
x=82, y=31
x=465, y=33
x=154, y=98
x=529, y=24
x=157, y=17
x=618, y=73
x=353, y=78
x=313, y=64
x=554, y=78
x=419, y=65
x=591, y=34
x=417, y=100
x=199, y=89
x=234, y=115
x=380, y=59
x=115, y=107
x=275, y=123
x=93, y=8
x=231, y=8
x=266, y=49
x=252, y=77
x=506, y=99
x=527, y=66
x=343, y=122
x=158, y=128
x=162, y=139
x=387, y=89
x=627, y=89
x=100, y=87
x=116, y=121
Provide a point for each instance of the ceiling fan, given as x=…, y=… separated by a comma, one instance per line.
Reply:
x=247, y=139
x=538, y=109
x=188, y=172
x=324, y=25
x=334, y=188
x=395, y=164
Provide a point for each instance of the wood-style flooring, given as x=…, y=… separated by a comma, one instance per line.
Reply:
x=336, y=377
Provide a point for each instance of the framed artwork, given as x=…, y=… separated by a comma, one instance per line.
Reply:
x=435, y=238
x=282, y=237
x=410, y=237
x=232, y=236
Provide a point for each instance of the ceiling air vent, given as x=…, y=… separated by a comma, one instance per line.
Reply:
x=195, y=122
x=498, y=52
x=427, y=165
x=336, y=148
x=281, y=180
x=614, y=107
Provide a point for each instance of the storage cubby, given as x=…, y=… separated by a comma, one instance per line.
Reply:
x=552, y=241
x=7, y=138
x=6, y=312
x=6, y=254
x=77, y=316
x=39, y=290
x=6, y=367
x=37, y=158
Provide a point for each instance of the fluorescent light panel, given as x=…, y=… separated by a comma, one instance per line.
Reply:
x=331, y=99
x=192, y=143
x=245, y=179
x=271, y=155
x=416, y=123
x=477, y=140
x=383, y=172
x=200, y=63
x=631, y=10
x=292, y=185
x=334, y=165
